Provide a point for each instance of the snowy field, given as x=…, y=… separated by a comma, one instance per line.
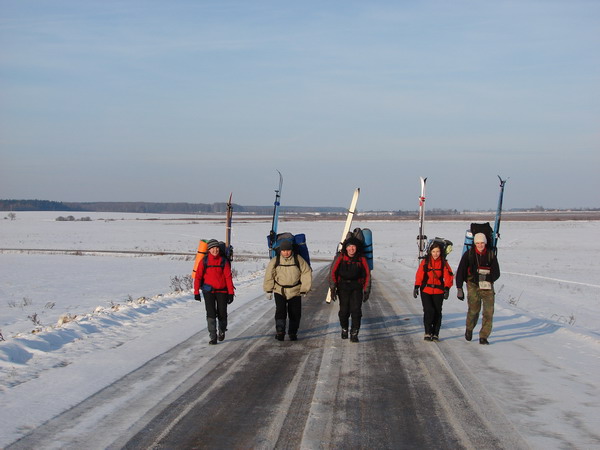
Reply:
x=74, y=323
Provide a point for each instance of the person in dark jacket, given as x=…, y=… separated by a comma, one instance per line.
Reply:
x=289, y=277
x=434, y=279
x=350, y=281
x=213, y=277
x=479, y=268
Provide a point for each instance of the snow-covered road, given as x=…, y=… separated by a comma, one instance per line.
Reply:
x=391, y=390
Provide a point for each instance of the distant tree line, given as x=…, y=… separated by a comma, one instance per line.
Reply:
x=220, y=207
x=151, y=208
x=34, y=205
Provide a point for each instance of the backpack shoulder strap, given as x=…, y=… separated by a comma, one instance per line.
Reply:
x=221, y=265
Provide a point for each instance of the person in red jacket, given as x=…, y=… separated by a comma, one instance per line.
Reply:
x=434, y=279
x=214, y=278
x=350, y=280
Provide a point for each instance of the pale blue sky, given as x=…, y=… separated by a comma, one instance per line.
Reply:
x=189, y=100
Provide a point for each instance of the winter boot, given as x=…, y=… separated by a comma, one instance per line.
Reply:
x=222, y=329
x=344, y=333
x=427, y=337
x=280, y=328
x=468, y=335
x=353, y=335
x=212, y=330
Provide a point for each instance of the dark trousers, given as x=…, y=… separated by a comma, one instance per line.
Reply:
x=432, y=312
x=216, y=308
x=350, y=306
x=291, y=308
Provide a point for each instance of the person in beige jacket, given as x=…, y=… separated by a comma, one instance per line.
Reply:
x=288, y=276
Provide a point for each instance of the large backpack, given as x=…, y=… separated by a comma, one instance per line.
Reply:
x=299, y=247
x=446, y=249
x=365, y=236
x=444, y=243
x=475, y=228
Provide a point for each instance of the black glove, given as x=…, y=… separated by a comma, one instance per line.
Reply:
x=460, y=294
x=365, y=296
x=229, y=299
x=416, y=292
x=446, y=293
x=197, y=297
x=333, y=294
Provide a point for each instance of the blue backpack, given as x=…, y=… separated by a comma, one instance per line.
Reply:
x=299, y=246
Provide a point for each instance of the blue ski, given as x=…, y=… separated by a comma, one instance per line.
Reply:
x=272, y=237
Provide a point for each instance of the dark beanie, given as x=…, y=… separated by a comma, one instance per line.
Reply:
x=286, y=245
x=212, y=243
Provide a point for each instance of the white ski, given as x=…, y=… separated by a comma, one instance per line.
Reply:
x=347, y=226
x=421, y=238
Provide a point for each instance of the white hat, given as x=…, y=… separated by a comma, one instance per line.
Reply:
x=480, y=237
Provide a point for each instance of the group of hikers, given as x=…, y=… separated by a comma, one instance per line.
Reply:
x=288, y=277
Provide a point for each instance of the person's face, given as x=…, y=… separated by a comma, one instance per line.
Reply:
x=436, y=252
x=286, y=253
x=351, y=250
x=214, y=251
x=480, y=246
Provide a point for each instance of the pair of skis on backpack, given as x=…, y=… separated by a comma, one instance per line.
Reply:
x=492, y=235
x=274, y=239
x=225, y=247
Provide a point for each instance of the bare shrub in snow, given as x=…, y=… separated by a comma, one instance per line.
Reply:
x=35, y=319
x=188, y=282
x=182, y=283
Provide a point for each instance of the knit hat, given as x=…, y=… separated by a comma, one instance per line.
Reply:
x=212, y=243
x=285, y=245
x=480, y=237
x=354, y=241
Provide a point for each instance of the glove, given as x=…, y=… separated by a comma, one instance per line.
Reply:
x=229, y=299
x=416, y=292
x=333, y=294
x=446, y=293
x=197, y=297
x=460, y=294
x=365, y=296
x=269, y=295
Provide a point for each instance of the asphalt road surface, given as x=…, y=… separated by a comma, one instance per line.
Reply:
x=391, y=390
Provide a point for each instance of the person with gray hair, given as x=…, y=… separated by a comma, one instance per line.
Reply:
x=479, y=268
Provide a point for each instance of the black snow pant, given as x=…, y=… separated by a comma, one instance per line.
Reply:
x=291, y=308
x=216, y=308
x=432, y=312
x=351, y=300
